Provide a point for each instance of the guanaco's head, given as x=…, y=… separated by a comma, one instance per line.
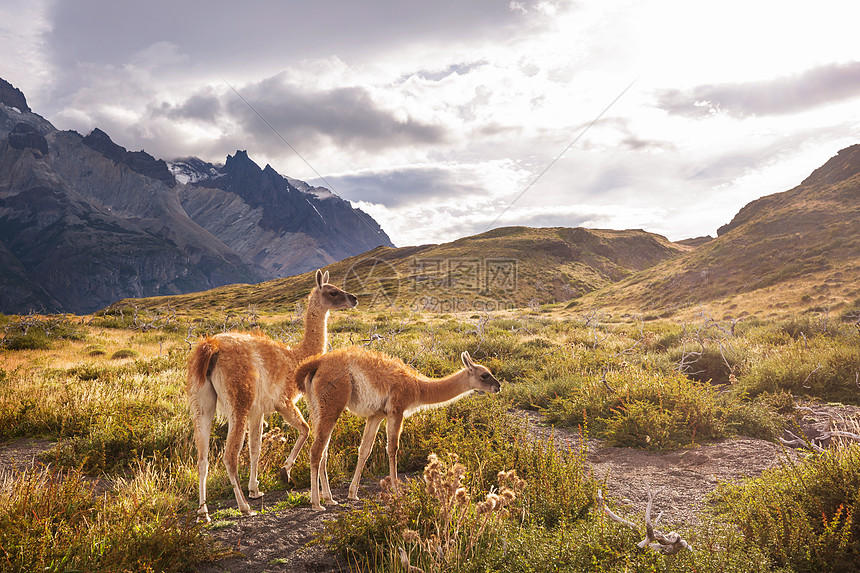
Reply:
x=331, y=297
x=480, y=377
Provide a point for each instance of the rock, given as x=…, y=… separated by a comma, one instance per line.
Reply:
x=25, y=136
x=12, y=96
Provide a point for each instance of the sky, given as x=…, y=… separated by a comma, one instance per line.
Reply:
x=448, y=118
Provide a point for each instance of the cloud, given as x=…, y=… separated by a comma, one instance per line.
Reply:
x=241, y=34
x=346, y=115
x=410, y=185
x=203, y=106
x=780, y=96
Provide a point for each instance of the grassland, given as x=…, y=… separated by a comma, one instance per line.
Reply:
x=120, y=491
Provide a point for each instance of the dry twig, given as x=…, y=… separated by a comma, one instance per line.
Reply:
x=666, y=543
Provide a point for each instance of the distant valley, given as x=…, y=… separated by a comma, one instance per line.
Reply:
x=795, y=251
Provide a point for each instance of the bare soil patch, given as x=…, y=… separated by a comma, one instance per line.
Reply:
x=680, y=480
x=22, y=454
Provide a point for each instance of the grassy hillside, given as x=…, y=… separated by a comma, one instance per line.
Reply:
x=503, y=268
x=797, y=250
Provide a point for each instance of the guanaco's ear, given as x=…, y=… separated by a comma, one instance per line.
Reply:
x=320, y=278
x=467, y=360
x=325, y=278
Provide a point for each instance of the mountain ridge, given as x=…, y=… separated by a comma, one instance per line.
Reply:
x=502, y=268
x=797, y=249
x=85, y=222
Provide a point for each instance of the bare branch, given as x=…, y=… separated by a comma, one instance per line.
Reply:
x=817, y=368
x=666, y=543
x=800, y=442
x=612, y=515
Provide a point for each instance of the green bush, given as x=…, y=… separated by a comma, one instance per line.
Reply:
x=820, y=367
x=656, y=411
x=29, y=333
x=803, y=515
x=57, y=523
x=124, y=353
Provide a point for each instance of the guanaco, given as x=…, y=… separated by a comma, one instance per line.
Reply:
x=247, y=376
x=376, y=387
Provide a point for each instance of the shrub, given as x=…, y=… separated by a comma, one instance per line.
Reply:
x=656, y=411
x=32, y=333
x=820, y=367
x=803, y=515
x=437, y=520
x=57, y=523
x=124, y=353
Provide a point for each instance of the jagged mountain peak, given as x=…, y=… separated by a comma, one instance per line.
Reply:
x=13, y=97
x=286, y=225
x=194, y=170
x=138, y=161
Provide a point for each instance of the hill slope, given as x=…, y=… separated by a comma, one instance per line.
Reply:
x=512, y=266
x=794, y=250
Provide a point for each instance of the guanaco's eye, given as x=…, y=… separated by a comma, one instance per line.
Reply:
x=485, y=376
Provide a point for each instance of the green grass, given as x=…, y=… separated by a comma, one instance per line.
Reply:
x=58, y=523
x=126, y=422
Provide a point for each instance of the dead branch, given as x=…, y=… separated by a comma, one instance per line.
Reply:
x=813, y=412
x=666, y=543
x=837, y=434
x=800, y=442
x=605, y=383
x=404, y=561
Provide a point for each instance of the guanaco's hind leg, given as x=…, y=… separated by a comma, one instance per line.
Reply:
x=370, y=428
x=235, y=440
x=203, y=410
x=294, y=418
x=393, y=425
x=324, y=485
x=319, y=453
x=255, y=441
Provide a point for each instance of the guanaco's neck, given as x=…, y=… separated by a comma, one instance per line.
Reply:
x=316, y=330
x=440, y=390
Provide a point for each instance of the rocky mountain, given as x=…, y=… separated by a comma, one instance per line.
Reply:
x=284, y=225
x=84, y=222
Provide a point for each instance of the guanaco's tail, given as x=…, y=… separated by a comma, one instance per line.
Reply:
x=201, y=362
x=306, y=370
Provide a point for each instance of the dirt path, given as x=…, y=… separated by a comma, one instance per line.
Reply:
x=680, y=480
x=275, y=540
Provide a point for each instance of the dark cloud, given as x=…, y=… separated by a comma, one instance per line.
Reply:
x=812, y=88
x=438, y=75
x=202, y=106
x=347, y=116
x=637, y=144
x=228, y=34
x=405, y=187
